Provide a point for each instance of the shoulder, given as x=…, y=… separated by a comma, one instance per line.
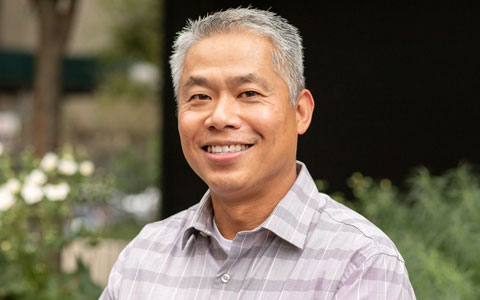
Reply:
x=154, y=242
x=357, y=249
x=352, y=232
x=155, y=239
x=373, y=265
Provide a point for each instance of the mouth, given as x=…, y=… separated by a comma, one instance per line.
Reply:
x=217, y=149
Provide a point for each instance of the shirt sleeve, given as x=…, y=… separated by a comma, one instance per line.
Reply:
x=110, y=290
x=381, y=276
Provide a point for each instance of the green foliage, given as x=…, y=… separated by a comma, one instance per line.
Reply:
x=37, y=203
x=130, y=63
x=116, y=86
x=130, y=76
x=434, y=223
x=123, y=230
x=134, y=168
x=135, y=29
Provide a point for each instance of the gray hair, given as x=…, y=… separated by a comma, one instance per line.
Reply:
x=287, y=55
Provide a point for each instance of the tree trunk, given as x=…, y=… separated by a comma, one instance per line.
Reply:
x=54, y=22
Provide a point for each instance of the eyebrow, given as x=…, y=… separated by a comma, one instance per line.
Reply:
x=236, y=80
x=196, y=80
x=249, y=78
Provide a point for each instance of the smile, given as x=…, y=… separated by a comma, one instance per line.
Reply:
x=226, y=148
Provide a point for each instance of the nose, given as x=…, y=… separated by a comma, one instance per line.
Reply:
x=224, y=114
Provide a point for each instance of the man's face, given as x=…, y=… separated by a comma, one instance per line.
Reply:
x=237, y=127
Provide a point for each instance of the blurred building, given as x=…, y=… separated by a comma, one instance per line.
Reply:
x=18, y=43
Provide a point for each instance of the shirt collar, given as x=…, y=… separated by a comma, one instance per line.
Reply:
x=201, y=220
x=290, y=220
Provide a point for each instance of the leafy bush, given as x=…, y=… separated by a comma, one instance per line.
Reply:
x=38, y=199
x=435, y=224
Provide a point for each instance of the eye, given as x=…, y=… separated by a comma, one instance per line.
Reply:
x=249, y=94
x=200, y=97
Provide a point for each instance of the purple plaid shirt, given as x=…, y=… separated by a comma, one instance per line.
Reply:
x=310, y=247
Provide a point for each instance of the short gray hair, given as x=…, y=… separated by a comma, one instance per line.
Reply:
x=287, y=55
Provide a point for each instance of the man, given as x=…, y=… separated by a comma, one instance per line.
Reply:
x=262, y=230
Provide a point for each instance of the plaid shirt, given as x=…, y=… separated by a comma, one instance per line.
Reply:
x=310, y=247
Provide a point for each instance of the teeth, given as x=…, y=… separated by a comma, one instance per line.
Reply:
x=226, y=149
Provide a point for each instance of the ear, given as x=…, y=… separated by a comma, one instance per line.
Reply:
x=304, y=110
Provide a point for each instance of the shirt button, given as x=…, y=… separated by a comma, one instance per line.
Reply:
x=225, y=278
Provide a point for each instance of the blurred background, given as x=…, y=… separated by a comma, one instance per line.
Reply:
x=81, y=77
x=394, y=134
x=108, y=105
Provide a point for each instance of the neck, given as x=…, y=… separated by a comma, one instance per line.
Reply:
x=234, y=213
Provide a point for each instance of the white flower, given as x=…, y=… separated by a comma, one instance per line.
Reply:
x=32, y=193
x=49, y=162
x=36, y=177
x=57, y=192
x=6, y=199
x=86, y=168
x=12, y=185
x=67, y=167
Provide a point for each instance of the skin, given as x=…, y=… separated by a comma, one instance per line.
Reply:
x=230, y=94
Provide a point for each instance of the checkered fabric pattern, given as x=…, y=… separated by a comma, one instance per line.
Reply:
x=310, y=247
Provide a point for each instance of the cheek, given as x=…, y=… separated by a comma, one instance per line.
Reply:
x=275, y=123
x=187, y=123
x=265, y=118
x=186, y=129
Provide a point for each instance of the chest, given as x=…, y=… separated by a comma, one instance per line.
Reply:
x=264, y=267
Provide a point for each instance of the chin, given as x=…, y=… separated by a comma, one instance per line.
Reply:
x=225, y=184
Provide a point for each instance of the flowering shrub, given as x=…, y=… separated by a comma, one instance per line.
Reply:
x=38, y=198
